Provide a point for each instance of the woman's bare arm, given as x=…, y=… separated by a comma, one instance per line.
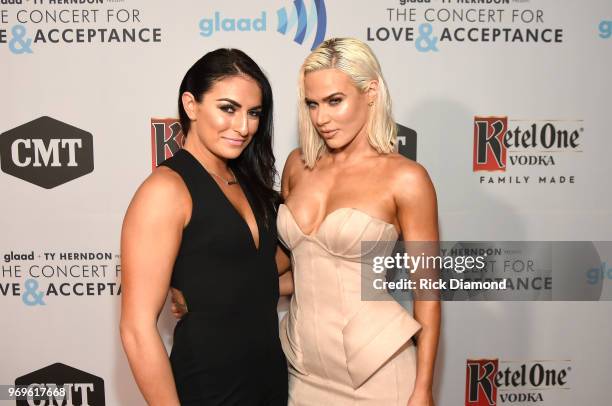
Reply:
x=418, y=217
x=151, y=235
x=283, y=261
x=285, y=283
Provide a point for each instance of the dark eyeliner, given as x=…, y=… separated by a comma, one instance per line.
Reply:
x=228, y=108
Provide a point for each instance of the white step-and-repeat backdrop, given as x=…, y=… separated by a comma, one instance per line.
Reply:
x=88, y=93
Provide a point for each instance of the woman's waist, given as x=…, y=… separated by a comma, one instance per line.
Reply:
x=309, y=327
x=244, y=313
x=237, y=299
x=205, y=327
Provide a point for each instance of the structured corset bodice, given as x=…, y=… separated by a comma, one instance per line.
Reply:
x=329, y=330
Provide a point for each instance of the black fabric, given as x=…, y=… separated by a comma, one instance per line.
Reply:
x=227, y=349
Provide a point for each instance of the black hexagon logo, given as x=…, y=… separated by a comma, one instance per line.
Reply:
x=80, y=388
x=407, y=142
x=46, y=152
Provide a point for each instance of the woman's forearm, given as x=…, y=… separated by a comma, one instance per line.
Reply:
x=285, y=284
x=150, y=365
x=427, y=313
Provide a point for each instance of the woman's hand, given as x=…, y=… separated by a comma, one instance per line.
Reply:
x=421, y=398
x=179, y=305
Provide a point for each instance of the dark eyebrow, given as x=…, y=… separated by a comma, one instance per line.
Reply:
x=326, y=98
x=234, y=102
x=238, y=105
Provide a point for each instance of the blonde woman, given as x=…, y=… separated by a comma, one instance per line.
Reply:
x=346, y=184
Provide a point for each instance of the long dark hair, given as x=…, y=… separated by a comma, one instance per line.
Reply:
x=255, y=165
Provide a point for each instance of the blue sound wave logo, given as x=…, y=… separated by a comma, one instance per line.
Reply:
x=306, y=21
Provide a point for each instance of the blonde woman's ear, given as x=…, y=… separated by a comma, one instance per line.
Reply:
x=372, y=92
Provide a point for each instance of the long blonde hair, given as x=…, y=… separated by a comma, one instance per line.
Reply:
x=355, y=59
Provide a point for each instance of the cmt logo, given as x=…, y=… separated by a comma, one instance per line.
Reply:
x=46, y=152
x=166, y=139
x=306, y=19
x=407, y=142
x=68, y=387
x=306, y=22
x=518, y=382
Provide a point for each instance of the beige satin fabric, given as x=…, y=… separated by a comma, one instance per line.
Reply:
x=342, y=350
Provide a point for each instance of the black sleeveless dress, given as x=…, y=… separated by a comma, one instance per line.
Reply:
x=226, y=350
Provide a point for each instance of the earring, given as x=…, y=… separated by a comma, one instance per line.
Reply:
x=371, y=103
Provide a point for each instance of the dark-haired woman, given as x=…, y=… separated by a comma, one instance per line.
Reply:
x=204, y=223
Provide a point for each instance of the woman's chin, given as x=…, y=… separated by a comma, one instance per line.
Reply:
x=229, y=152
x=335, y=143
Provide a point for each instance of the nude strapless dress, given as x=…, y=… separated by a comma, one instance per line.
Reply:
x=342, y=350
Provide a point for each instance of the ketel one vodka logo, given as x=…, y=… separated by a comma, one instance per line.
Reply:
x=490, y=381
x=166, y=139
x=69, y=387
x=500, y=142
x=46, y=152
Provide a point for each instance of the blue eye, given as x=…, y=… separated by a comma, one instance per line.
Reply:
x=311, y=105
x=335, y=101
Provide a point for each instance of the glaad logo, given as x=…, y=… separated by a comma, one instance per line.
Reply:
x=69, y=386
x=407, y=142
x=46, y=152
x=208, y=26
x=598, y=275
x=524, y=383
x=305, y=21
x=605, y=29
x=166, y=139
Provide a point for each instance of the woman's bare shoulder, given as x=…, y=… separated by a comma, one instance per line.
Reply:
x=295, y=161
x=163, y=191
x=294, y=166
x=406, y=175
x=164, y=183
